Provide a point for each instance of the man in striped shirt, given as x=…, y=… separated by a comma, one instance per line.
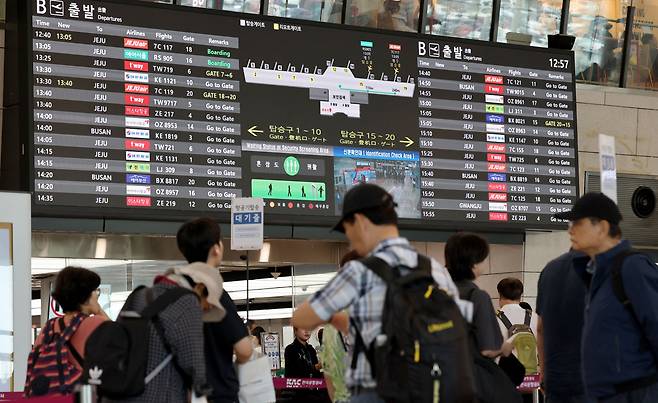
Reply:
x=369, y=221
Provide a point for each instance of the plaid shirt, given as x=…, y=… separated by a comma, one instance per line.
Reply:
x=360, y=289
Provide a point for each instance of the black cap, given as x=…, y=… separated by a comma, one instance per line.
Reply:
x=593, y=205
x=362, y=197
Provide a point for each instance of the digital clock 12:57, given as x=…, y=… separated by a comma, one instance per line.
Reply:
x=559, y=63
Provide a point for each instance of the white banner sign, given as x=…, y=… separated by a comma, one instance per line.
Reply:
x=272, y=349
x=247, y=223
x=608, y=162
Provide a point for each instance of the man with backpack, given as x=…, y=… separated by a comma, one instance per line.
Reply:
x=518, y=324
x=410, y=339
x=620, y=335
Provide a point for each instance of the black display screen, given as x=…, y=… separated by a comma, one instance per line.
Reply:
x=166, y=112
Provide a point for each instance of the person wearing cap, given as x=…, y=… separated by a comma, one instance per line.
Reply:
x=619, y=341
x=369, y=221
x=200, y=242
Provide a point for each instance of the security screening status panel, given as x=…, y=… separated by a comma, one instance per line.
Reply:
x=161, y=111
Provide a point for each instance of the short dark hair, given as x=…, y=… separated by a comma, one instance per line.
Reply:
x=463, y=251
x=73, y=287
x=613, y=232
x=510, y=288
x=258, y=330
x=196, y=238
x=380, y=215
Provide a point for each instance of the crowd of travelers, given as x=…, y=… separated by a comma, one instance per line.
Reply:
x=397, y=326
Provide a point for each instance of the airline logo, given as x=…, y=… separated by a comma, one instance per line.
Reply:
x=494, y=109
x=136, y=99
x=136, y=88
x=497, y=177
x=141, y=55
x=493, y=89
x=498, y=197
x=496, y=157
x=135, y=43
x=495, y=119
x=495, y=128
x=138, y=201
x=495, y=138
x=493, y=79
x=497, y=206
x=138, y=190
x=136, y=77
x=137, y=110
x=138, y=156
x=138, y=134
x=496, y=167
x=494, y=99
x=140, y=145
x=135, y=66
x=137, y=167
x=497, y=187
x=393, y=46
x=498, y=216
x=138, y=179
x=496, y=148
x=137, y=122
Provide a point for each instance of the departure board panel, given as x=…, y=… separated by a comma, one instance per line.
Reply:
x=168, y=112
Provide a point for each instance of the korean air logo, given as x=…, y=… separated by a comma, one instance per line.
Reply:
x=136, y=77
x=138, y=156
x=138, y=179
x=495, y=138
x=494, y=177
x=137, y=134
x=495, y=119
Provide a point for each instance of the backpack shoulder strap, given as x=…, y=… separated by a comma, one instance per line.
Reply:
x=163, y=301
x=618, y=280
x=528, y=317
x=379, y=267
x=503, y=318
x=424, y=264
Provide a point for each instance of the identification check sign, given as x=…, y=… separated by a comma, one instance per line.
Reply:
x=247, y=223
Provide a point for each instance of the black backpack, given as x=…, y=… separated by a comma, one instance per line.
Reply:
x=425, y=356
x=116, y=353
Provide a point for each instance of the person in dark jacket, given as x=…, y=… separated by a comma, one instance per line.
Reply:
x=619, y=342
x=301, y=358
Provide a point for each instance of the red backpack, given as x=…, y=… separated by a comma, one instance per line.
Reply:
x=50, y=369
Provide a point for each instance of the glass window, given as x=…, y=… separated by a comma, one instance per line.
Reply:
x=460, y=18
x=599, y=30
x=397, y=15
x=314, y=10
x=535, y=18
x=643, y=61
x=240, y=6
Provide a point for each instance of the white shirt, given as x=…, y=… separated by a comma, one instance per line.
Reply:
x=516, y=315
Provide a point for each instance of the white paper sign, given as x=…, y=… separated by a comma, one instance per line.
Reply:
x=247, y=223
x=608, y=164
x=272, y=349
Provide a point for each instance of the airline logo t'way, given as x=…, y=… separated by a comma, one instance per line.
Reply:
x=135, y=43
x=497, y=206
x=138, y=201
x=138, y=133
x=493, y=89
x=494, y=99
x=135, y=66
x=496, y=167
x=498, y=216
x=496, y=138
x=496, y=148
x=496, y=187
x=140, y=145
x=136, y=88
x=137, y=190
x=138, y=156
x=498, y=197
x=136, y=77
x=138, y=179
x=136, y=110
x=137, y=167
x=495, y=128
x=137, y=122
x=136, y=99
x=496, y=157
x=497, y=177
x=493, y=79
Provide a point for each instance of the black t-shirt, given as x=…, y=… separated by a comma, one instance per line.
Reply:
x=219, y=340
x=301, y=360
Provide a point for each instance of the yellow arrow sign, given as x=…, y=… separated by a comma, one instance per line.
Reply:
x=253, y=130
x=407, y=142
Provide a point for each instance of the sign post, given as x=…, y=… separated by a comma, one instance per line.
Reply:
x=272, y=349
x=608, y=163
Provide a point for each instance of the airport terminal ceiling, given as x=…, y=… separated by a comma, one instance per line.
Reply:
x=131, y=116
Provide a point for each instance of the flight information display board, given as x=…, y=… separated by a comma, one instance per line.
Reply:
x=164, y=111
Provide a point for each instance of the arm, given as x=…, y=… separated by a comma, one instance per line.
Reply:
x=305, y=317
x=292, y=363
x=540, y=344
x=243, y=350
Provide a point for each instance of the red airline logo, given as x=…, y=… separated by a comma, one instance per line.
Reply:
x=493, y=79
x=135, y=66
x=498, y=216
x=495, y=148
x=137, y=111
x=493, y=89
x=392, y=46
x=497, y=187
x=135, y=43
x=499, y=197
x=136, y=88
x=136, y=99
x=138, y=201
x=496, y=157
x=494, y=167
x=138, y=145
